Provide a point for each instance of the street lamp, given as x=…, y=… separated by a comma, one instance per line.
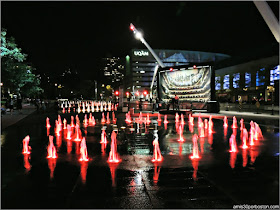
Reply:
x=138, y=35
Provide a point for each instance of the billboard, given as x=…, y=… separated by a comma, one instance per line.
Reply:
x=189, y=84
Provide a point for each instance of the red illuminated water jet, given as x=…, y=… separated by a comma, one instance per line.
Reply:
x=64, y=123
x=63, y=110
x=78, y=133
x=26, y=148
x=182, y=119
x=225, y=122
x=85, y=121
x=69, y=147
x=83, y=150
x=72, y=122
x=58, y=141
x=234, y=122
x=165, y=119
x=114, y=118
x=113, y=155
x=232, y=143
x=128, y=118
x=241, y=124
x=157, y=157
x=199, y=122
x=177, y=118
x=205, y=124
x=191, y=120
x=69, y=132
x=148, y=119
x=191, y=127
x=103, y=137
x=108, y=118
x=201, y=131
x=181, y=130
x=27, y=165
x=244, y=139
x=258, y=132
x=252, y=135
x=195, y=147
x=48, y=123
x=159, y=118
x=51, y=148
x=103, y=121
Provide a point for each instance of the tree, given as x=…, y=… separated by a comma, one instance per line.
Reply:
x=17, y=75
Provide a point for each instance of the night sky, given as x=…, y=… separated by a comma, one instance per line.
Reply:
x=61, y=35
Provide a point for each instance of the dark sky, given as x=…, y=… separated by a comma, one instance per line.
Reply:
x=59, y=35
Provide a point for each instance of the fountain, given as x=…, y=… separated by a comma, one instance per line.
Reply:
x=157, y=157
x=165, y=119
x=159, y=118
x=181, y=130
x=88, y=109
x=103, y=137
x=108, y=118
x=63, y=110
x=232, y=143
x=77, y=133
x=27, y=164
x=201, y=131
x=113, y=155
x=195, y=147
x=182, y=119
x=199, y=122
x=64, y=124
x=244, y=139
x=48, y=123
x=225, y=122
x=205, y=124
x=26, y=148
x=258, y=132
x=114, y=118
x=103, y=121
x=140, y=119
x=92, y=108
x=252, y=135
x=83, y=150
x=69, y=147
x=234, y=122
x=51, y=148
x=191, y=120
x=177, y=118
x=72, y=122
x=128, y=118
x=69, y=132
x=85, y=121
x=241, y=124
x=77, y=120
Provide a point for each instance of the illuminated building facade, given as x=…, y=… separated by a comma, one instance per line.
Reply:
x=113, y=69
x=140, y=66
x=256, y=79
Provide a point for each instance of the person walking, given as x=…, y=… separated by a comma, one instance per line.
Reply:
x=19, y=104
x=11, y=106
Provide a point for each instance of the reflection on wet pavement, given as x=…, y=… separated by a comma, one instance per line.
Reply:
x=218, y=179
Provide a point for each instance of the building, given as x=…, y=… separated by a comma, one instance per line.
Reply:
x=251, y=80
x=113, y=69
x=140, y=66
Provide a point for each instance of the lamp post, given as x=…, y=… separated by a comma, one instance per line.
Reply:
x=138, y=35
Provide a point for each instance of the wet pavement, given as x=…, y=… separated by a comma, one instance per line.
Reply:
x=219, y=179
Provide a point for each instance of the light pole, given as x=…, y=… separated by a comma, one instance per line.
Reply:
x=138, y=35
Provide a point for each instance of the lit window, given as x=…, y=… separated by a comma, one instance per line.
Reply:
x=142, y=72
x=226, y=82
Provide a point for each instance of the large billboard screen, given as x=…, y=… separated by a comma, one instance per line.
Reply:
x=191, y=85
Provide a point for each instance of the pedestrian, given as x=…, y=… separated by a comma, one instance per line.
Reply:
x=177, y=102
x=11, y=105
x=19, y=104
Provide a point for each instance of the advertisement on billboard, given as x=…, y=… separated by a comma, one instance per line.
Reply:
x=191, y=85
